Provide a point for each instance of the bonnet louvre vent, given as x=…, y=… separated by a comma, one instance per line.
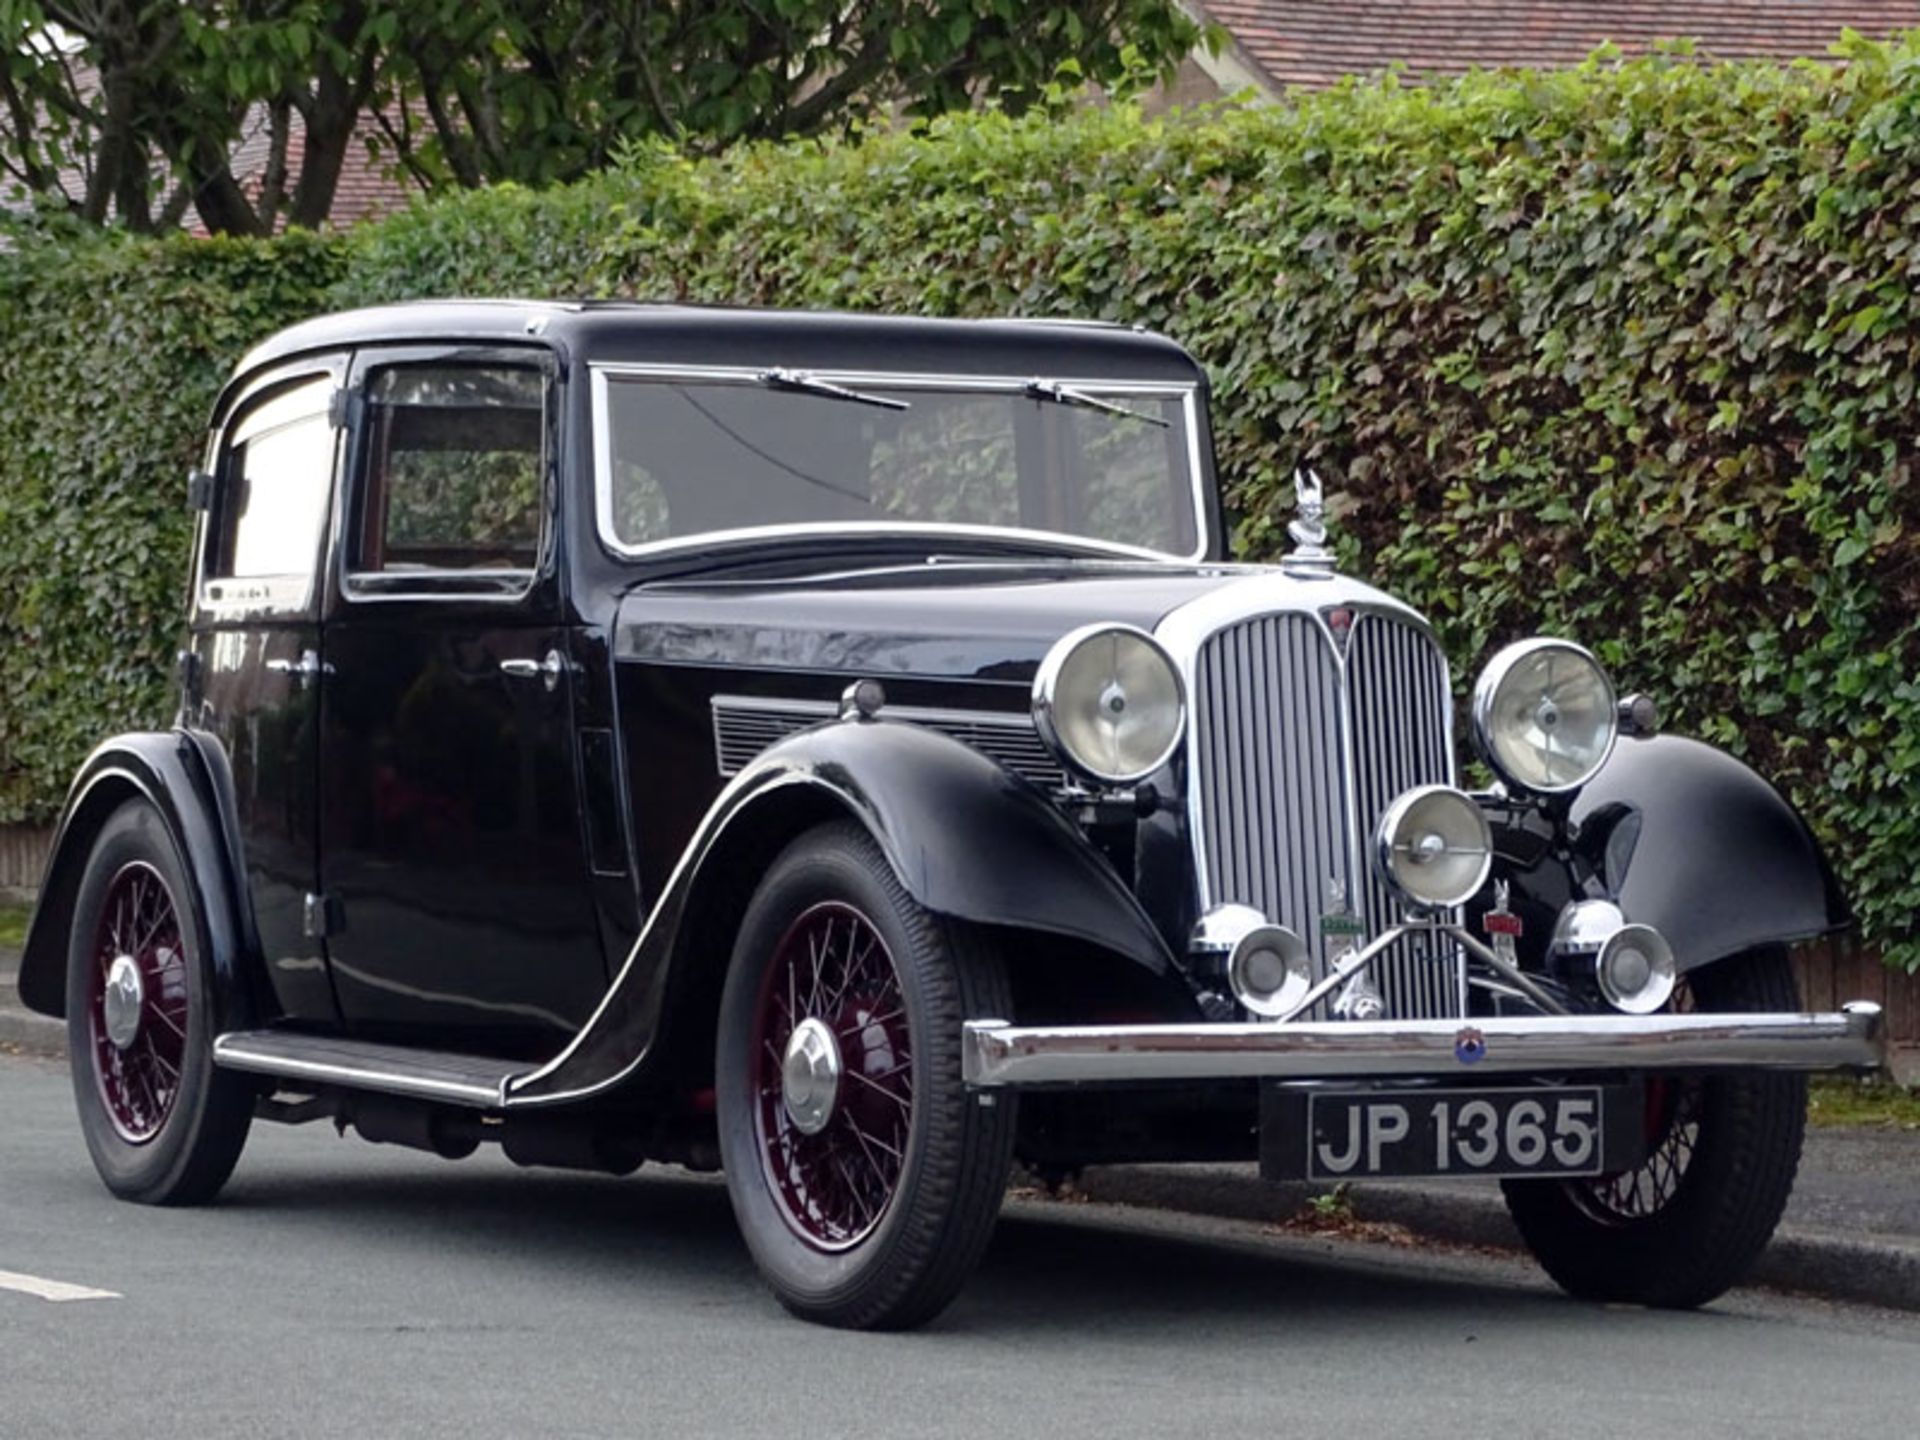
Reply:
x=744, y=725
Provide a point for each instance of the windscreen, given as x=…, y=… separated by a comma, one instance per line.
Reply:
x=694, y=458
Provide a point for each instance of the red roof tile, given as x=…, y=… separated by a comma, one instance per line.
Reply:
x=1315, y=42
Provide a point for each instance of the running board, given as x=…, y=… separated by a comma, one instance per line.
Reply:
x=477, y=1081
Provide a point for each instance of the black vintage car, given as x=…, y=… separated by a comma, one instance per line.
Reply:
x=838, y=749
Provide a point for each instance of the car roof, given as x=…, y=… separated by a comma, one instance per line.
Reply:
x=617, y=331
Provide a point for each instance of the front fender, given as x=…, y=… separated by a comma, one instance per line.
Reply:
x=169, y=771
x=971, y=841
x=966, y=838
x=1688, y=839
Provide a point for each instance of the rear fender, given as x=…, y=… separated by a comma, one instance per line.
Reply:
x=170, y=771
x=967, y=839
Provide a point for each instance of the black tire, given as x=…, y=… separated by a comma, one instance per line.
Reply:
x=1687, y=1225
x=859, y=1250
x=155, y=1140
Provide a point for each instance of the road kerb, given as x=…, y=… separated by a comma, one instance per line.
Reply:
x=1874, y=1270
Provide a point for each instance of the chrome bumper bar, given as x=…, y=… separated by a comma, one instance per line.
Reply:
x=996, y=1054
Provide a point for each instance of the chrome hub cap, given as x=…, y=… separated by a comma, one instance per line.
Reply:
x=810, y=1076
x=125, y=998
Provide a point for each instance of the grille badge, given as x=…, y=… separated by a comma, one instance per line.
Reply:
x=1340, y=625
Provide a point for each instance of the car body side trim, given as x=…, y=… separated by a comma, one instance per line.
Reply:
x=470, y=1080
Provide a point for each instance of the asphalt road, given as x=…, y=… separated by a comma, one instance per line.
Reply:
x=342, y=1289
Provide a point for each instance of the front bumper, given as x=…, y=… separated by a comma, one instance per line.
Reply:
x=996, y=1054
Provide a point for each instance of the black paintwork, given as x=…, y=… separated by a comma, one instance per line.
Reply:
x=639, y=333
x=493, y=851
x=1682, y=837
x=944, y=637
x=450, y=833
x=1721, y=862
x=170, y=771
x=966, y=838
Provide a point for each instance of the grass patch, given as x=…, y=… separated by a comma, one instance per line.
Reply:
x=1876, y=1103
x=13, y=923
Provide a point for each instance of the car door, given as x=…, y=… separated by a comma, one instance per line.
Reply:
x=453, y=861
x=256, y=657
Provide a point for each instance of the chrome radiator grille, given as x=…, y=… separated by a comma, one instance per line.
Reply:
x=1280, y=812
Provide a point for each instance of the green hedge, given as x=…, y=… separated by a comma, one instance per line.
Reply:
x=1624, y=353
x=110, y=356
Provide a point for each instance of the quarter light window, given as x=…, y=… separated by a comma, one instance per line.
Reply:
x=455, y=457
x=278, y=474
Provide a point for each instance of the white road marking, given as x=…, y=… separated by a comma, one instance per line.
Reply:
x=52, y=1289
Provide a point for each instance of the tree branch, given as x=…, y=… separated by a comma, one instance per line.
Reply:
x=38, y=176
x=273, y=179
x=859, y=72
x=454, y=146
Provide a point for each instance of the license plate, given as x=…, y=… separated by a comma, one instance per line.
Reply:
x=1505, y=1133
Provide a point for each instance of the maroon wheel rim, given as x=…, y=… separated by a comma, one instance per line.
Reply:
x=833, y=1146
x=1671, y=1121
x=137, y=1003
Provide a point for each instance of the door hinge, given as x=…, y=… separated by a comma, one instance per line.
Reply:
x=321, y=917
x=199, y=490
x=340, y=411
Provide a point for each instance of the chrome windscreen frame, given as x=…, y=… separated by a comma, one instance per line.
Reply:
x=1199, y=475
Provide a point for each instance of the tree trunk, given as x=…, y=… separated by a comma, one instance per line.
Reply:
x=223, y=206
x=330, y=111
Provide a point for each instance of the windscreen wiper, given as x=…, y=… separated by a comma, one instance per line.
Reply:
x=1058, y=394
x=781, y=378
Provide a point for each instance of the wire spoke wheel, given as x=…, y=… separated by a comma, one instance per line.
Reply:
x=137, y=1010
x=864, y=1176
x=1673, y=1112
x=833, y=1076
x=162, y=1125
x=1686, y=1223
x=1673, y=1135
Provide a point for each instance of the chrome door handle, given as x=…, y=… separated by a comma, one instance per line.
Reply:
x=553, y=667
x=304, y=671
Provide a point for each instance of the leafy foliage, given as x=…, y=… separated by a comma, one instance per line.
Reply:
x=133, y=109
x=535, y=91
x=113, y=354
x=1625, y=353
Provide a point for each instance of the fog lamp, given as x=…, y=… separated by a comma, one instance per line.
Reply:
x=1268, y=967
x=1635, y=970
x=1433, y=847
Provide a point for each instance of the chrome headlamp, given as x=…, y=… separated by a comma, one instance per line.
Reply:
x=1544, y=716
x=1434, y=847
x=1109, y=702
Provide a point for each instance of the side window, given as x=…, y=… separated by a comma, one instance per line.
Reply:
x=452, y=480
x=276, y=477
